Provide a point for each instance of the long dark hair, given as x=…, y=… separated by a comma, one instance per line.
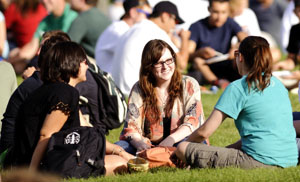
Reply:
x=61, y=62
x=258, y=59
x=151, y=54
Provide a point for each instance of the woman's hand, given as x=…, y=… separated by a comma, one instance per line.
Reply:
x=127, y=156
x=167, y=142
x=294, y=75
x=28, y=72
x=140, y=145
x=207, y=52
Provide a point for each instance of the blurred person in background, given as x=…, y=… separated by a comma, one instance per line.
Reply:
x=246, y=18
x=293, y=47
x=211, y=36
x=116, y=10
x=269, y=14
x=88, y=26
x=288, y=20
x=135, y=11
x=22, y=19
x=60, y=18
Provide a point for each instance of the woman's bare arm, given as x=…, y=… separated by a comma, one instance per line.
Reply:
x=53, y=123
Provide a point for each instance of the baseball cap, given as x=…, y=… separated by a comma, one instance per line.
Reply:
x=168, y=7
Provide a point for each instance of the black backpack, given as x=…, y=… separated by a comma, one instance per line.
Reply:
x=112, y=103
x=77, y=152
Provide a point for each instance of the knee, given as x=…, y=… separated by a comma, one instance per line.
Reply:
x=180, y=151
x=115, y=165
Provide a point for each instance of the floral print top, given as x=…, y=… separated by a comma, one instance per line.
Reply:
x=188, y=112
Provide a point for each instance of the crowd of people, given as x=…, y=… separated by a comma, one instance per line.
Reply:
x=159, y=60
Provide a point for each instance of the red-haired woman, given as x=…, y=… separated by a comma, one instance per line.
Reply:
x=261, y=109
x=164, y=106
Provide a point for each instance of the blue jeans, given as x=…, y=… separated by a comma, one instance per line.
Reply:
x=296, y=116
x=132, y=150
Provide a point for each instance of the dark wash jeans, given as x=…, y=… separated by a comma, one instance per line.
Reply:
x=132, y=150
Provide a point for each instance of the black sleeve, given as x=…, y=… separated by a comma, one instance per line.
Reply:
x=64, y=98
x=293, y=41
x=12, y=110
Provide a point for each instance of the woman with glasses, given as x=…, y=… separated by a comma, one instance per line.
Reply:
x=164, y=107
x=261, y=109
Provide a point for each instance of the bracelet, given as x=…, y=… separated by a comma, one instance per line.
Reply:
x=119, y=150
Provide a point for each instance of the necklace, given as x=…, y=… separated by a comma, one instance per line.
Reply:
x=163, y=98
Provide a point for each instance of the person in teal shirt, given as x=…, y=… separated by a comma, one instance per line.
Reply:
x=60, y=18
x=261, y=109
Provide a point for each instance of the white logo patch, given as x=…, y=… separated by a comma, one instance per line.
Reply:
x=72, y=138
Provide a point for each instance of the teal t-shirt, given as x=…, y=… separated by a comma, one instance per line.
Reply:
x=264, y=121
x=51, y=22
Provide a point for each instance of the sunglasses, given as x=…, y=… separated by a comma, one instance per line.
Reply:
x=143, y=11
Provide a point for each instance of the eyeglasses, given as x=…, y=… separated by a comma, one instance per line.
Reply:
x=143, y=11
x=160, y=64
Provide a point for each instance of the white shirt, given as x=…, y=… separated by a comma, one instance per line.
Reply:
x=288, y=20
x=127, y=58
x=248, y=22
x=107, y=42
x=115, y=12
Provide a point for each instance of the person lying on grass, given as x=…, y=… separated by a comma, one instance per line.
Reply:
x=261, y=109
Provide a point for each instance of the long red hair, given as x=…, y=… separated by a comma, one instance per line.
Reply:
x=151, y=54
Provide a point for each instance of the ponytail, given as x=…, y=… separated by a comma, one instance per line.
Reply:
x=258, y=59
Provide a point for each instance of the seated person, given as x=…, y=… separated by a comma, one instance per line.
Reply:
x=60, y=18
x=163, y=107
x=268, y=137
x=269, y=14
x=25, y=89
x=247, y=19
x=54, y=107
x=22, y=19
x=135, y=11
x=89, y=24
x=211, y=35
x=293, y=46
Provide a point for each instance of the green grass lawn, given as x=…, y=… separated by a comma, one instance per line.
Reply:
x=226, y=134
